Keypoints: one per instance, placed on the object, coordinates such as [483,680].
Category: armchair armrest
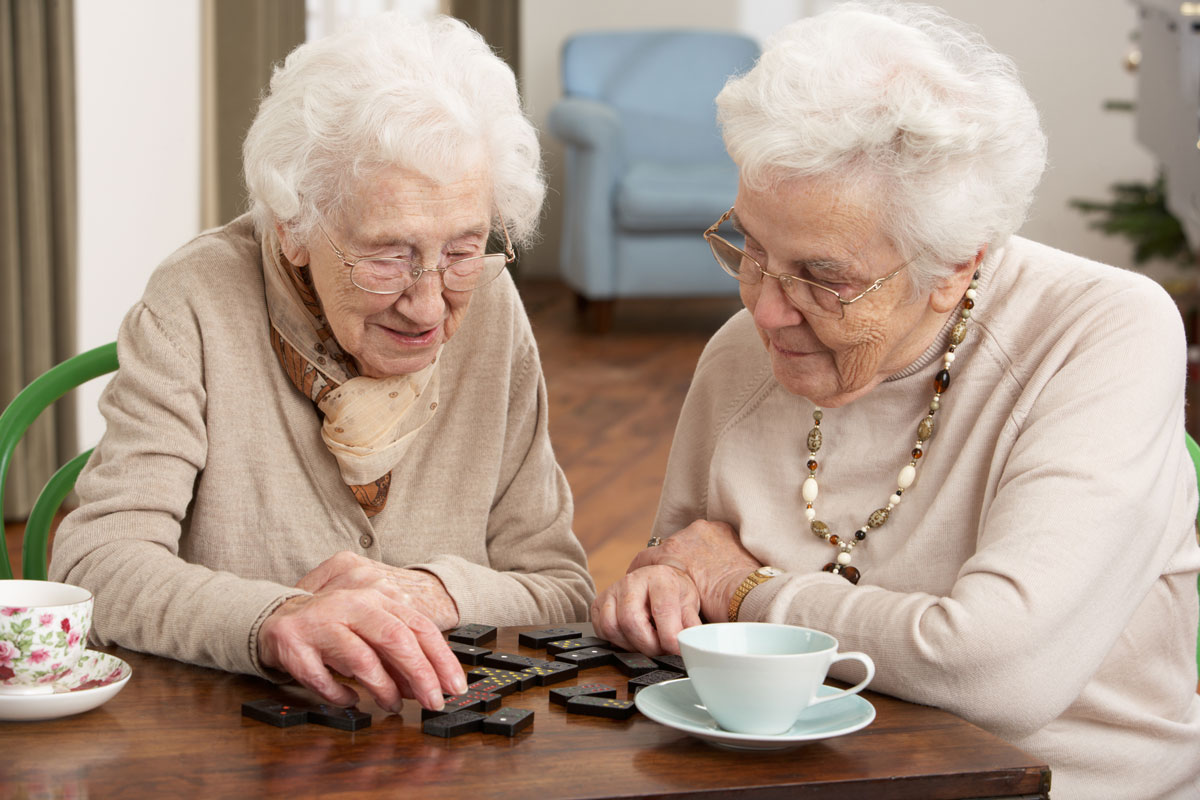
[585,123]
[595,159]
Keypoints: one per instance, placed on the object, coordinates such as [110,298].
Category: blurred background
[128,144]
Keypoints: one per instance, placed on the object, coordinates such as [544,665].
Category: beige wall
[1069,53]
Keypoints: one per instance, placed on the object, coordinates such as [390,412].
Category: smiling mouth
[413,338]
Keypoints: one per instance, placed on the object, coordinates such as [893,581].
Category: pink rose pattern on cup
[35,645]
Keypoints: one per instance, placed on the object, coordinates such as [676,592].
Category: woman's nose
[772,309]
[423,302]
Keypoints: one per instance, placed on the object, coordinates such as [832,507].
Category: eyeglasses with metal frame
[395,275]
[810,296]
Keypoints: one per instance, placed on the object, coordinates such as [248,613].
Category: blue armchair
[646,170]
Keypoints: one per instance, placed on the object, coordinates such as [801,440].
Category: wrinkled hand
[369,627]
[712,556]
[645,611]
[415,588]
[667,588]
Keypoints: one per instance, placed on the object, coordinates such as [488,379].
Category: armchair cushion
[653,196]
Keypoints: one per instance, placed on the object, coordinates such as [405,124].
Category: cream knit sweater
[212,492]
[1039,579]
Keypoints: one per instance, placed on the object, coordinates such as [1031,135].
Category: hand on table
[695,571]
[415,588]
[375,633]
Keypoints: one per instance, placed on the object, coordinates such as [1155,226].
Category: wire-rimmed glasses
[807,295]
[395,275]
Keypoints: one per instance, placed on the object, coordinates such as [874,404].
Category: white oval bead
[809,490]
[810,514]
[907,476]
[843,558]
[894,500]
[971,294]
[949,358]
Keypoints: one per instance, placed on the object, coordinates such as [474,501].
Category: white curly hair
[909,110]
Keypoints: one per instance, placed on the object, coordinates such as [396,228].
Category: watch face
[769,572]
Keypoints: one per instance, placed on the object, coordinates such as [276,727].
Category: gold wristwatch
[760,575]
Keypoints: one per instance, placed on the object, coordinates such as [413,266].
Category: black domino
[633,664]
[521,679]
[273,712]
[508,721]
[670,662]
[494,683]
[587,658]
[468,654]
[456,724]
[651,678]
[511,661]
[601,707]
[551,672]
[561,695]
[346,719]
[539,639]
[473,634]
[471,700]
[564,645]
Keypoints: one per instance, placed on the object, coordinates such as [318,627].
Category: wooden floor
[614,400]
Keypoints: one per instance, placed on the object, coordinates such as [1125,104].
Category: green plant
[1139,213]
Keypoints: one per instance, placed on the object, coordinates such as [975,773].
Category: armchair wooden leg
[595,315]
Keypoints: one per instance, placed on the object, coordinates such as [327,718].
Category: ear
[296,253]
[947,294]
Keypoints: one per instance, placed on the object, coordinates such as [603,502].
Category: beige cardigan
[212,492]
[1039,578]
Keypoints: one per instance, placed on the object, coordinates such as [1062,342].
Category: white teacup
[758,677]
[43,633]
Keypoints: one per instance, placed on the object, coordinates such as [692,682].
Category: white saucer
[675,704]
[95,680]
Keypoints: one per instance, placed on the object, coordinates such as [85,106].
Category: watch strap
[760,575]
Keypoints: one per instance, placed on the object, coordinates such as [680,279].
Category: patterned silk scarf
[369,422]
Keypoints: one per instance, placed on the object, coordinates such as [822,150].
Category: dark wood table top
[176,730]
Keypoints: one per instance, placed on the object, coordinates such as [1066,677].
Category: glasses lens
[471,273]
[811,299]
[734,261]
[384,275]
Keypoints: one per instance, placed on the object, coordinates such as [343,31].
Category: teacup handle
[856,688]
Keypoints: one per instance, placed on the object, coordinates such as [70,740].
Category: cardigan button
[366,541]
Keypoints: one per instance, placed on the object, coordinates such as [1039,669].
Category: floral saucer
[95,680]
[676,705]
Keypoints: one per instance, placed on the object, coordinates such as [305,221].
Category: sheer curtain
[37,227]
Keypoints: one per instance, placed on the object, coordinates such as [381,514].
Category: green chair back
[1194,451]
[16,419]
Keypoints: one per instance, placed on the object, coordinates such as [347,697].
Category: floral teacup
[43,633]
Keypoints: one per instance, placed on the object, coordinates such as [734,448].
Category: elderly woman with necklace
[957,450]
[316,458]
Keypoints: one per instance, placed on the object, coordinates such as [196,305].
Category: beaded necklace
[809,490]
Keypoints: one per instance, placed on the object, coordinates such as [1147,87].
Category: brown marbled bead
[819,528]
[851,574]
[969,303]
[959,332]
[917,452]
[814,439]
[834,540]
[878,517]
[830,567]
[941,382]
[812,465]
[925,429]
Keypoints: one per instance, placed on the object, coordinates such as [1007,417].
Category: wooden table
[176,731]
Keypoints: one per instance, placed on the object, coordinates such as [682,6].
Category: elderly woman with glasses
[957,450]
[316,459]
